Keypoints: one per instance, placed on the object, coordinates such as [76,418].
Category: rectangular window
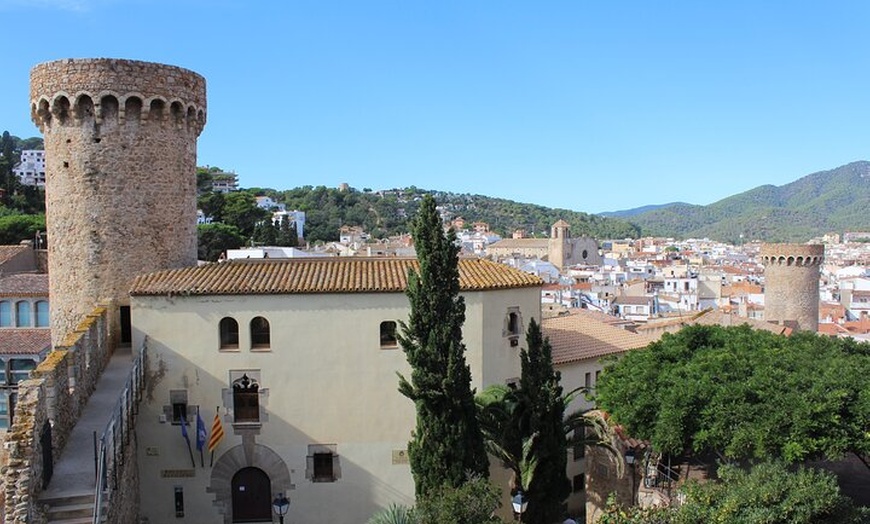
[322,463]
[19,369]
[579,482]
[587,380]
[178,400]
[597,374]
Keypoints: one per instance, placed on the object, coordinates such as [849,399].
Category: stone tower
[120,141]
[791,284]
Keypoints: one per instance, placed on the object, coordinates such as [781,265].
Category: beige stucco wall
[325,380]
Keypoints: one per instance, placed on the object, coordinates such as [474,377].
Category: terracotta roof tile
[24,285]
[318,275]
[581,336]
[20,341]
[8,252]
[521,243]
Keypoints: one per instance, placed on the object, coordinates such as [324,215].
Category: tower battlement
[792,254]
[106,91]
[120,166]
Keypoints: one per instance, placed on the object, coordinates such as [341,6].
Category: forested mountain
[628,213]
[385,213]
[834,200]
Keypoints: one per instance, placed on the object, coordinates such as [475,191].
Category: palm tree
[504,423]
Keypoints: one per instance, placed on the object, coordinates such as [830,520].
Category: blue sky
[585,105]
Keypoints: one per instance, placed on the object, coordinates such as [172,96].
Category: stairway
[70,508]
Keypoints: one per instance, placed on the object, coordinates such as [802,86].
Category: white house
[298,358]
[31,169]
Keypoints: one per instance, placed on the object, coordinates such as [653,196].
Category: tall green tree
[447,445]
[545,409]
[287,235]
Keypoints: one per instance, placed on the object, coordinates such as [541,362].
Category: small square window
[322,463]
[178,402]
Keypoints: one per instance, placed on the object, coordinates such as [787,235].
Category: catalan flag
[217,432]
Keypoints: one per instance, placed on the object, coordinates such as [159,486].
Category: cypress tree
[545,409]
[446,447]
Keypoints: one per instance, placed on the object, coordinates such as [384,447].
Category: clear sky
[586,105]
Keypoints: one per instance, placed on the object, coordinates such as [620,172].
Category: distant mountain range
[628,213]
[836,200]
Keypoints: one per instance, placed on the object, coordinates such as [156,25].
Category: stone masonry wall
[57,391]
[791,284]
[120,141]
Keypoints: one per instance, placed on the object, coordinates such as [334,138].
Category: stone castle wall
[57,391]
[120,141]
[791,284]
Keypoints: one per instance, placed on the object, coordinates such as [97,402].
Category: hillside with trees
[385,213]
[834,200]
[22,208]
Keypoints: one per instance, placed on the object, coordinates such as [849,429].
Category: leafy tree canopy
[768,493]
[214,239]
[744,394]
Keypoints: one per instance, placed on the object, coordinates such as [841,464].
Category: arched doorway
[251,496]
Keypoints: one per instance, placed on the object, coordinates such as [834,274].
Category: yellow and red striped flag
[217,432]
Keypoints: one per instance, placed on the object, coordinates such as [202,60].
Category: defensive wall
[54,397]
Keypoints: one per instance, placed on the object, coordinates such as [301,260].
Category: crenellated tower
[791,284]
[120,141]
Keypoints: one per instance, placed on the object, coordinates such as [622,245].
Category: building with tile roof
[25,335]
[299,356]
[560,249]
[580,340]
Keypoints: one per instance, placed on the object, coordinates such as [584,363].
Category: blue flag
[201,434]
[184,426]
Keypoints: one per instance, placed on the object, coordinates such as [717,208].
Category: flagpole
[198,444]
[187,438]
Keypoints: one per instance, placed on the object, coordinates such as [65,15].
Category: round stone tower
[791,284]
[120,150]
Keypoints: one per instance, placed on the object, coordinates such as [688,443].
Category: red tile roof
[24,285]
[9,252]
[582,336]
[18,341]
[319,275]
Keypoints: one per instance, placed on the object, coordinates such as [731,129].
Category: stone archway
[240,457]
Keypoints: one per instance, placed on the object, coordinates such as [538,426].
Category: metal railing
[109,450]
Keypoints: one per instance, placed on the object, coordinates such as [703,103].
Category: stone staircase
[70,508]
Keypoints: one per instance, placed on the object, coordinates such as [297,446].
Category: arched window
[513,325]
[5,314]
[260,337]
[22,314]
[388,335]
[246,400]
[41,313]
[229,333]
